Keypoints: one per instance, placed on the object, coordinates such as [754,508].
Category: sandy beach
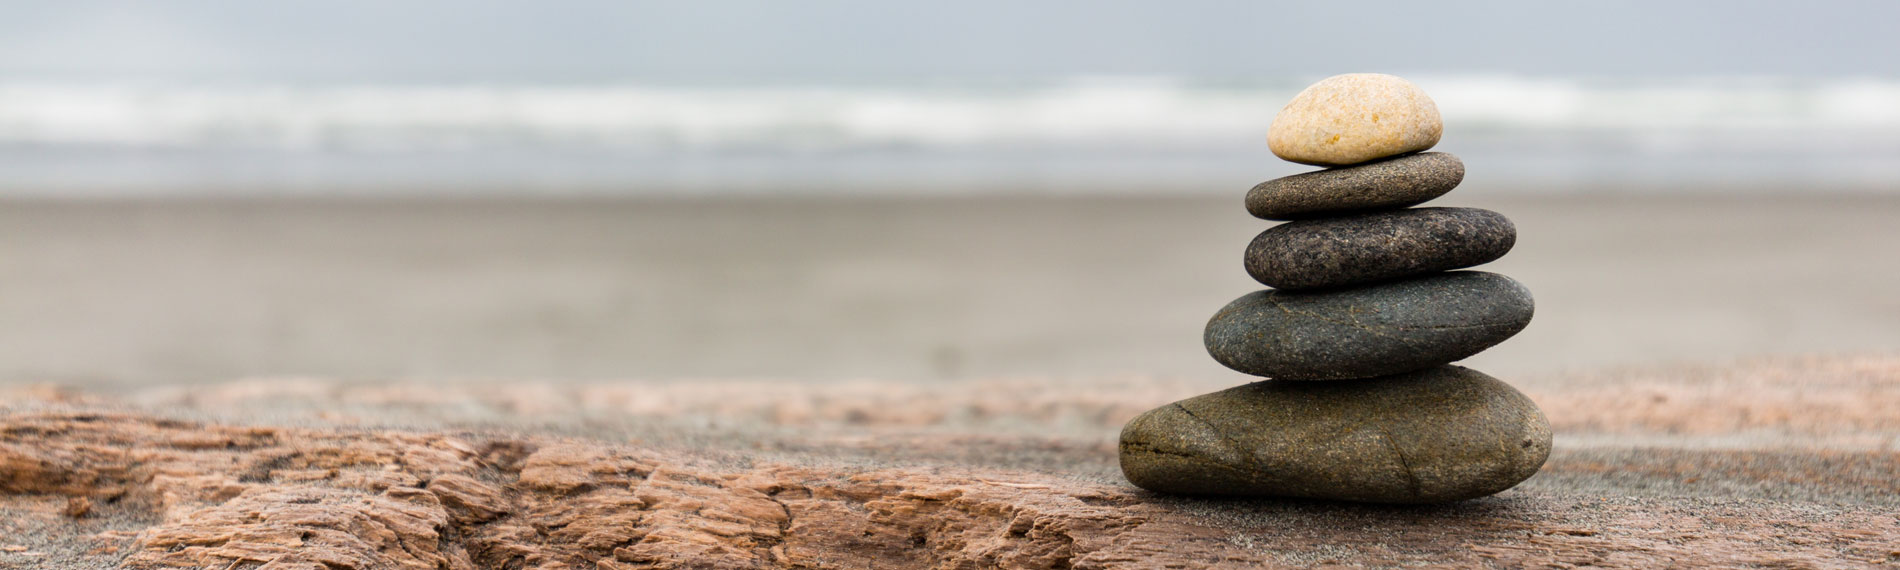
[826,289]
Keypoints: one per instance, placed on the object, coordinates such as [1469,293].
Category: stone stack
[1355,337]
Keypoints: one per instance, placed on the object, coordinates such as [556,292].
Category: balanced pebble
[1363,332]
[1354,118]
[1442,434]
[1380,246]
[1392,183]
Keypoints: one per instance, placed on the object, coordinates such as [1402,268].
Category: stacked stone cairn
[1355,337]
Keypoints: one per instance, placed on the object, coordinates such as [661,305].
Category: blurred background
[200,191]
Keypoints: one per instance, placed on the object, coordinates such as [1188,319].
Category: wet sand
[833,289]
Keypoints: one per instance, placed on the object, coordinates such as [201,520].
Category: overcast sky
[785,40]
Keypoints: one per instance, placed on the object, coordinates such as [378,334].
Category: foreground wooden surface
[1786,462]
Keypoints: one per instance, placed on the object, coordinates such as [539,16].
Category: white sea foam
[1080,122]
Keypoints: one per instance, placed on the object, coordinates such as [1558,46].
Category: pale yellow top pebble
[1354,118]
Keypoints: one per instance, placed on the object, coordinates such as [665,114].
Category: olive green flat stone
[1437,435]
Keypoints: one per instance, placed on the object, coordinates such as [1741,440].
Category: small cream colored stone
[1354,118]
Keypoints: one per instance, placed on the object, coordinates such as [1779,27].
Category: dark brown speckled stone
[1363,332]
[1442,434]
[1391,183]
[1378,246]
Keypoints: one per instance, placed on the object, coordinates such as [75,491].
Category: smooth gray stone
[1392,183]
[1442,434]
[1362,332]
[1378,246]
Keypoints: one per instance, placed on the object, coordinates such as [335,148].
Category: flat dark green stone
[1437,435]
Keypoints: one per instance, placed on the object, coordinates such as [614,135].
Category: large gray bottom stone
[1369,331]
[1377,246]
[1437,435]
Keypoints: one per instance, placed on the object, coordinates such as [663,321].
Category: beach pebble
[1442,434]
[1379,246]
[1392,183]
[1354,118]
[1362,332]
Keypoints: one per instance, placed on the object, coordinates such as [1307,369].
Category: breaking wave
[1053,132]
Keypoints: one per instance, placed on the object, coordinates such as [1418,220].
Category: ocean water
[1085,134]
